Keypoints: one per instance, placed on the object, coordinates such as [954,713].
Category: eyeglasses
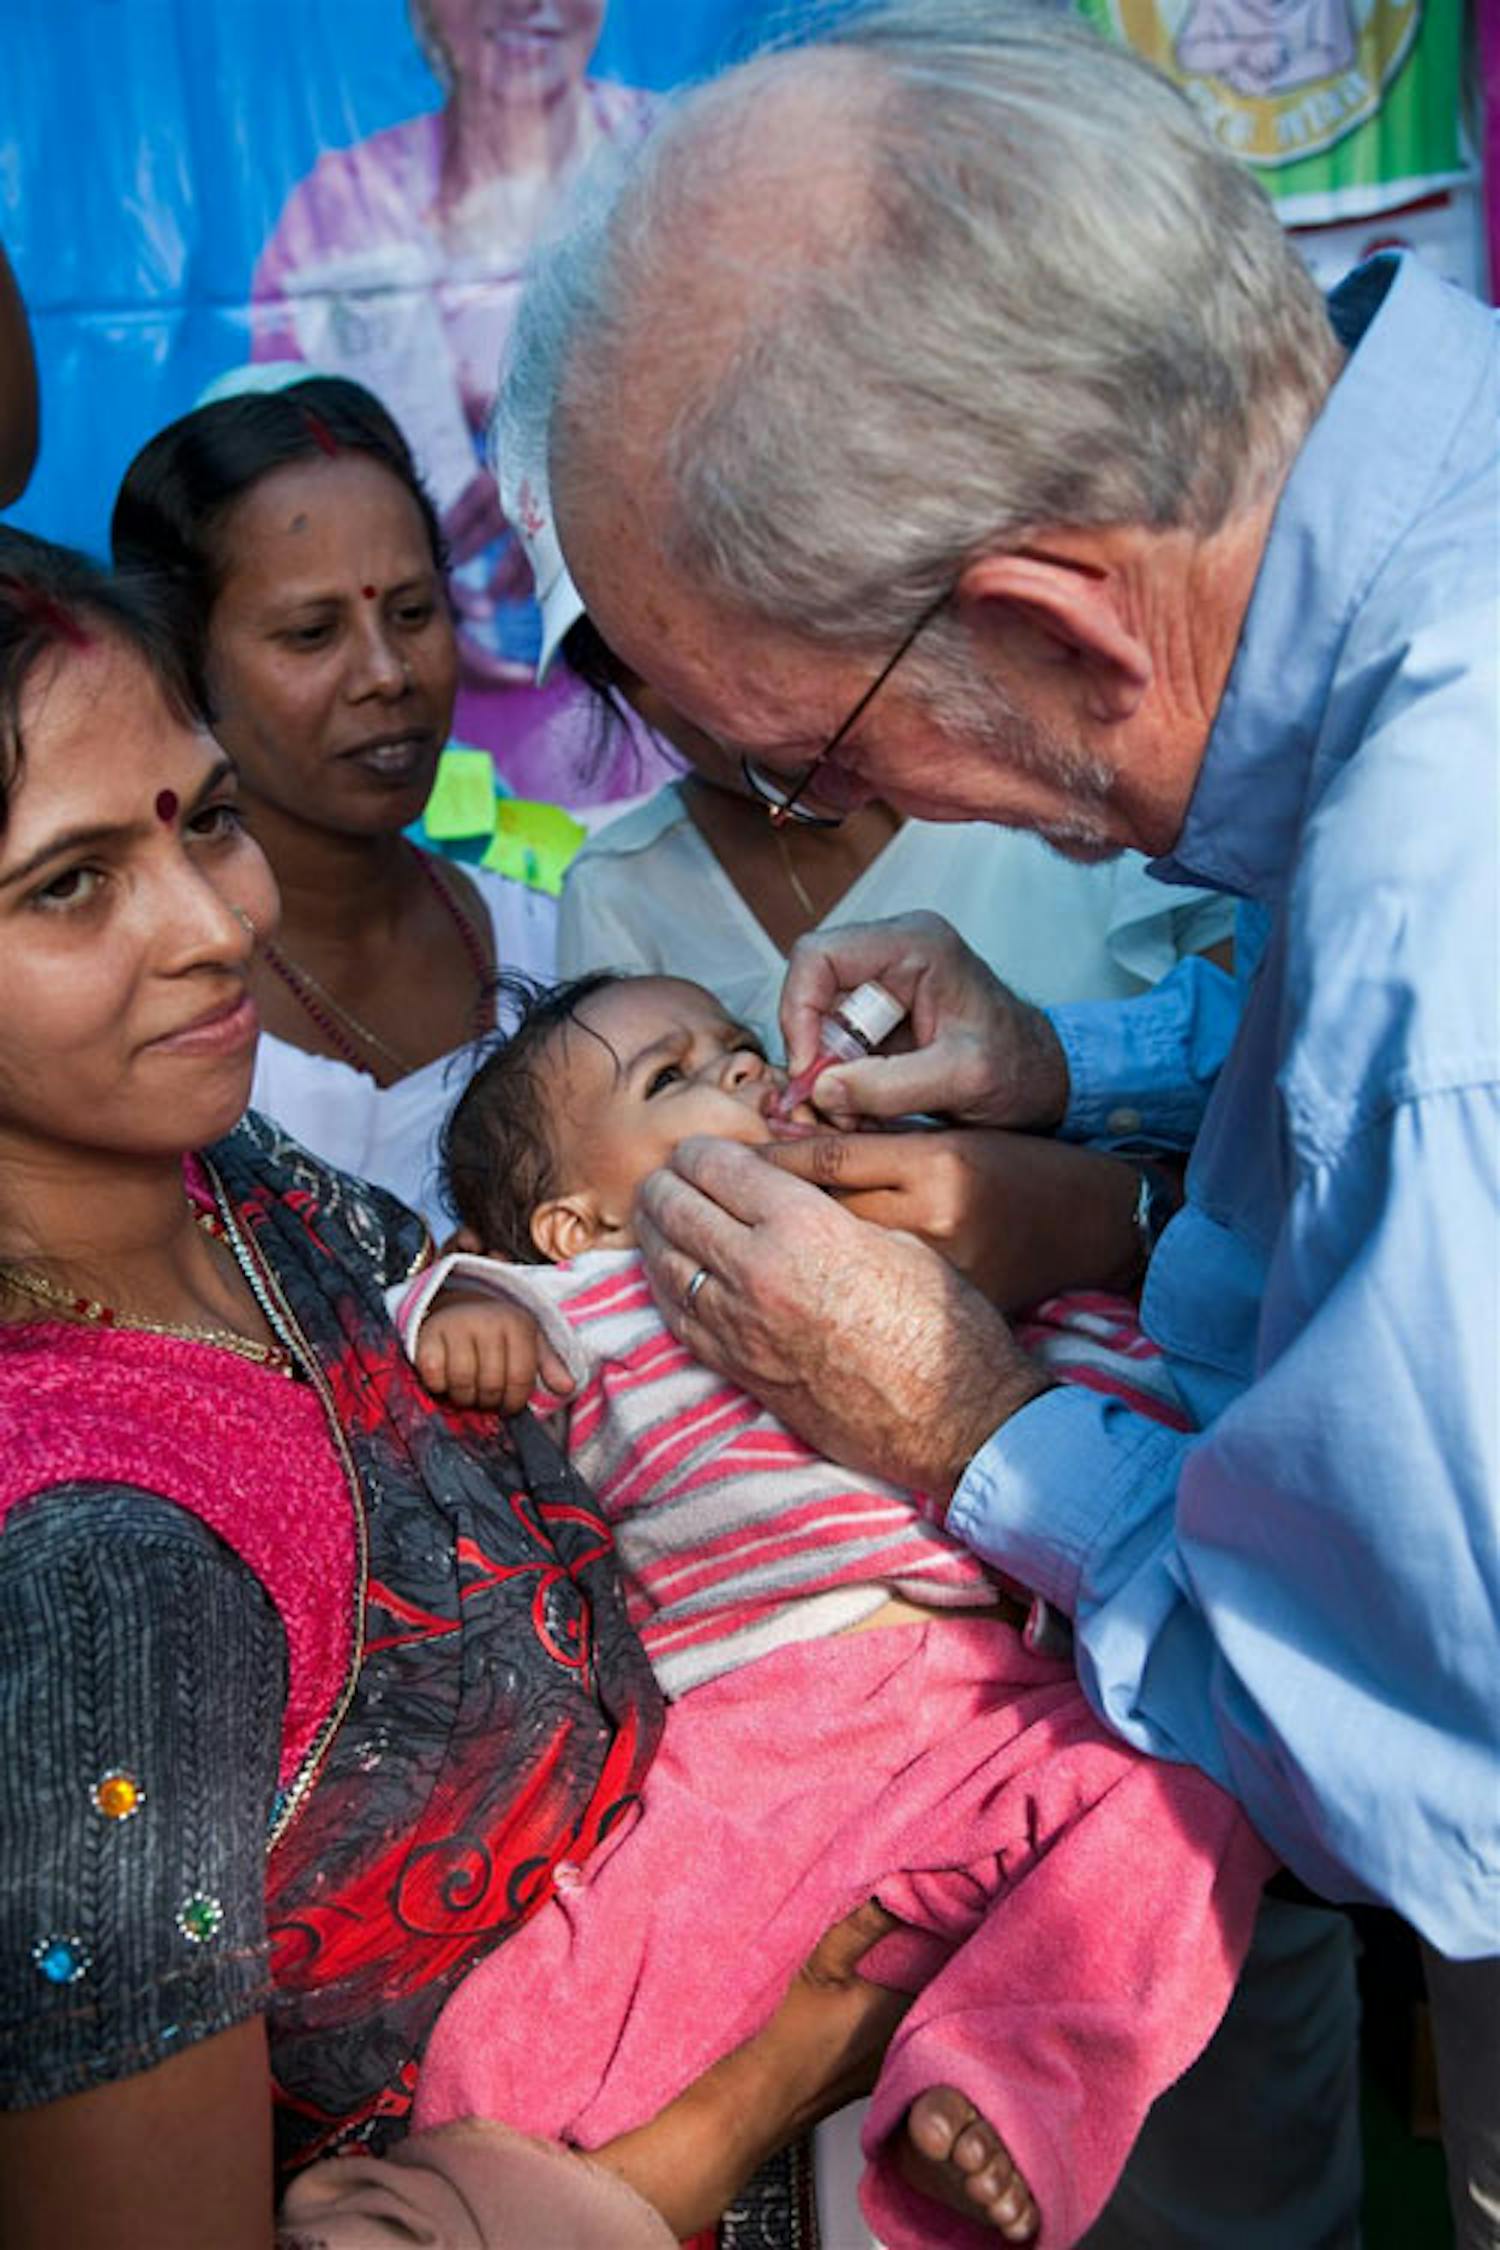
[782,799]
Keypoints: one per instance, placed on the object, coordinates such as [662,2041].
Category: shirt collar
[1354,486]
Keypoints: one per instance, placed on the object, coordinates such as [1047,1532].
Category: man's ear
[567,1225]
[1072,601]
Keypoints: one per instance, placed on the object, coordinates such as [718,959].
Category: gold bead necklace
[27,1282]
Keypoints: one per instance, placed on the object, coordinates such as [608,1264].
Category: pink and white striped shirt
[735,1538]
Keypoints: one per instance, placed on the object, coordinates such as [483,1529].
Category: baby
[1069,1915]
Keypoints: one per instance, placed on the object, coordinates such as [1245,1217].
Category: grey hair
[1022,287]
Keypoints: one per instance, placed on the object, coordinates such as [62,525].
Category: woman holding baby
[311,1686]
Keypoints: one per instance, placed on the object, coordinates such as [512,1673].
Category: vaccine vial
[862,1021]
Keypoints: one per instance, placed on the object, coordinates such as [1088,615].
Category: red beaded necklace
[337,1022]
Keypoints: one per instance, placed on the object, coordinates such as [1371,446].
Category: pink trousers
[1074,1914]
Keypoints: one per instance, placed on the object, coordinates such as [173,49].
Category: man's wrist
[1021,1386]
[1043,1074]
[1022,1083]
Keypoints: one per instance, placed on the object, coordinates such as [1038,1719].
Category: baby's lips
[791,1128]
[788,1120]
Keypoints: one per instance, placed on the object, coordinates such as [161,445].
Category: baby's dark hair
[498,1154]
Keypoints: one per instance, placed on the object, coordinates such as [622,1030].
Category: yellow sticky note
[463,797]
[533,842]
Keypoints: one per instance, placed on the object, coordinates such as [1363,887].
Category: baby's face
[646,1063]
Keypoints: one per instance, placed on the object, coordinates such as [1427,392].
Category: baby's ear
[566,1226]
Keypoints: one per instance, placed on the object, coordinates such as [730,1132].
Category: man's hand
[1019,1215]
[867,1344]
[481,1351]
[978,1053]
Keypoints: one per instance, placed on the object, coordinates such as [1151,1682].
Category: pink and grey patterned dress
[735,1538]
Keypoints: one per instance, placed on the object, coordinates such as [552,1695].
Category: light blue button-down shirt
[1303,1598]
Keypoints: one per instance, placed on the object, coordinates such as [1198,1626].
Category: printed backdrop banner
[1349,112]
[352,184]
[188,186]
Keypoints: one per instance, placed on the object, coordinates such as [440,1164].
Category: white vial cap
[871,1013]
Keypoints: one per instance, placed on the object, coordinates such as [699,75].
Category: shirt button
[1124,1120]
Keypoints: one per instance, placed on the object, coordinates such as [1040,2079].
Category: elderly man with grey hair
[936,413]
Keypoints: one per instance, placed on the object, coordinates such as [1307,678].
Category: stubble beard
[972,710]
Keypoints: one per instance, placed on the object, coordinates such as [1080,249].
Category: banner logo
[1275,80]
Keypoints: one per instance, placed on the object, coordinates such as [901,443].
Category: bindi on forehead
[167,802]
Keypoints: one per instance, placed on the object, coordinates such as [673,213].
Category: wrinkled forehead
[585,1064]
[611,1026]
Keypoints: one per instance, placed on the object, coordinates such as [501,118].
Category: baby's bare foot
[953,2154]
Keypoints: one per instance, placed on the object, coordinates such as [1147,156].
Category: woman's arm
[476,2185]
[141,1704]
[821,2049]
[178,2157]
[1018,1214]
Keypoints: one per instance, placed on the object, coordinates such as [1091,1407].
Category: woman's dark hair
[180,489]
[590,659]
[496,1151]
[53,599]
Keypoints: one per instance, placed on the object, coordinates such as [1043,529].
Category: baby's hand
[485,1352]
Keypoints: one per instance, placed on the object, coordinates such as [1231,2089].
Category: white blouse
[646,892]
[388,1134]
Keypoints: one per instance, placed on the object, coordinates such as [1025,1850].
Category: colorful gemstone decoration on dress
[200,1917]
[62,1960]
[117,1795]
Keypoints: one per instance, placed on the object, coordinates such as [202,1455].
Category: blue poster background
[146,149]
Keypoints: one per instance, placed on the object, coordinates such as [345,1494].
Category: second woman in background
[311,570]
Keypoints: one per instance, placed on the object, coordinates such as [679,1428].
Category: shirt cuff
[1040,1495]
[1141,1070]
